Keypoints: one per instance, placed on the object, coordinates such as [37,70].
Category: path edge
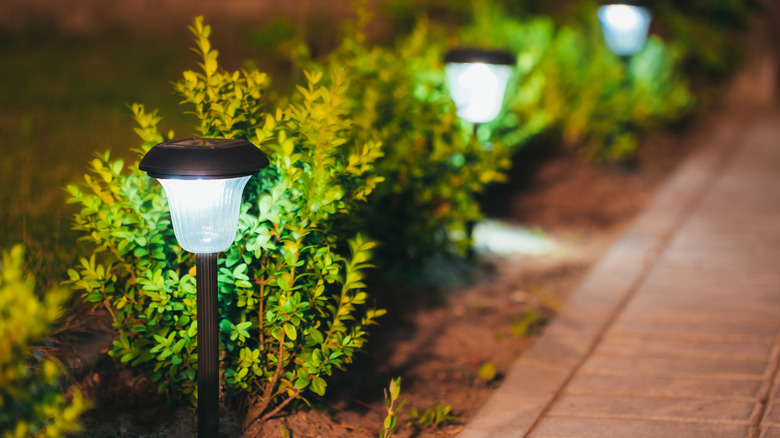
[537,377]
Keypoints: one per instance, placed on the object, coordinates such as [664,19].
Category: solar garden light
[477,80]
[625,27]
[203,179]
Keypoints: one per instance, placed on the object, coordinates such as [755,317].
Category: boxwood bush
[432,166]
[32,402]
[569,82]
[291,299]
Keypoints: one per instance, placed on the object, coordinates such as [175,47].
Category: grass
[63,100]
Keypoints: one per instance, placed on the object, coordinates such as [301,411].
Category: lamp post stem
[625,62]
[208,346]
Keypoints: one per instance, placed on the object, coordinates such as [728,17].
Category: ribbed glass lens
[477,89]
[624,27]
[204,212]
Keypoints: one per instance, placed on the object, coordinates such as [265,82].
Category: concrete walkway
[676,331]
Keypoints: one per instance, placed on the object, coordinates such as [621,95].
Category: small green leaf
[290,331]
[179,345]
[316,335]
[395,388]
[318,385]
[301,383]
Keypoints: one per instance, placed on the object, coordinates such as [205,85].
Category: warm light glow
[624,27]
[478,89]
[204,212]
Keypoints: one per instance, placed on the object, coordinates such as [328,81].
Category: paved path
[676,331]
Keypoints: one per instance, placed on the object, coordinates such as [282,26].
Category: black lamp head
[640,3]
[203,158]
[472,55]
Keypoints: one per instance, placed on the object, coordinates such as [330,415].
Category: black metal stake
[208,346]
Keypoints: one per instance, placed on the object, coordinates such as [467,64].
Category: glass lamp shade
[477,89]
[625,27]
[477,79]
[204,212]
[204,179]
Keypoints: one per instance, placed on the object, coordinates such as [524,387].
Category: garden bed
[451,342]
[450,335]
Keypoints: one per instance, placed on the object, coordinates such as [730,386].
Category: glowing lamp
[203,179]
[204,211]
[477,80]
[624,27]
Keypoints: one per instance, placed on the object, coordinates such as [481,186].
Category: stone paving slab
[513,414]
[676,367]
[700,337]
[771,432]
[772,415]
[674,332]
[635,346]
[572,427]
[754,258]
[678,409]
[718,264]
[758,302]
[712,326]
[670,277]
[665,310]
[637,385]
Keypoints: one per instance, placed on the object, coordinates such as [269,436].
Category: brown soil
[439,346]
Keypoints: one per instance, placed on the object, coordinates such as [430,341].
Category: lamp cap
[203,158]
[474,55]
[640,3]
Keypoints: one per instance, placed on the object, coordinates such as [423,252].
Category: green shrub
[432,165]
[569,81]
[31,402]
[707,33]
[600,104]
[290,287]
[566,81]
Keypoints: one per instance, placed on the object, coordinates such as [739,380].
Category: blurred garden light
[204,179]
[477,80]
[495,237]
[625,27]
